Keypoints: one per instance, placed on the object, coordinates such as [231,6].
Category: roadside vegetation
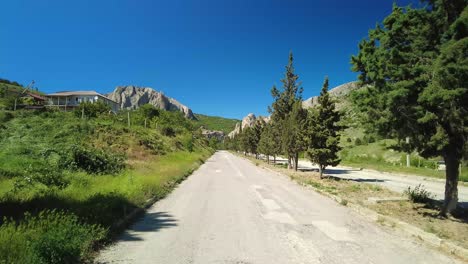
[216,123]
[411,100]
[70,180]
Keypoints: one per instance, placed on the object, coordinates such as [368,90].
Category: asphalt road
[230,211]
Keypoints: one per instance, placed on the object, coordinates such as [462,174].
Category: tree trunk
[296,161]
[289,162]
[451,182]
[274,159]
[256,155]
[321,169]
[268,159]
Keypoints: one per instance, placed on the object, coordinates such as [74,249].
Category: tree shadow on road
[149,222]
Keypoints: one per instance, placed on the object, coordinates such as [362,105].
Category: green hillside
[66,182]
[215,123]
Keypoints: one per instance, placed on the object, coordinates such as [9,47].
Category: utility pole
[408,163]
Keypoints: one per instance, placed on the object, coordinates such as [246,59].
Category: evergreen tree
[416,69]
[293,141]
[266,145]
[285,99]
[322,134]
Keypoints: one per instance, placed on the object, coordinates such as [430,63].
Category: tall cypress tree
[322,135]
[285,100]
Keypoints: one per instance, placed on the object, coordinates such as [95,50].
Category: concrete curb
[408,229]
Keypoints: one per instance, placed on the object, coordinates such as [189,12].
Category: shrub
[5,116]
[50,237]
[92,109]
[168,131]
[95,161]
[418,194]
[48,176]
[152,143]
[349,140]
[358,142]
[149,111]
[371,139]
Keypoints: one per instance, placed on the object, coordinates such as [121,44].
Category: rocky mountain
[213,134]
[132,97]
[339,91]
[247,121]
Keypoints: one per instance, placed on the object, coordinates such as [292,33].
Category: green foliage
[5,116]
[293,132]
[95,161]
[323,132]
[267,143]
[50,237]
[415,64]
[92,110]
[418,194]
[215,123]
[285,112]
[56,160]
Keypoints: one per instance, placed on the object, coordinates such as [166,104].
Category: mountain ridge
[132,97]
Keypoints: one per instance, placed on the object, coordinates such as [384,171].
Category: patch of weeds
[344,202]
[355,188]
[419,194]
[50,237]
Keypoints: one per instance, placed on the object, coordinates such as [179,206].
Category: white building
[72,99]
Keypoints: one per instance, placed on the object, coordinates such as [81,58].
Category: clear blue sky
[217,57]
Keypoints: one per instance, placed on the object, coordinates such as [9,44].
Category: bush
[349,140]
[48,176]
[371,139]
[95,161]
[92,109]
[168,131]
[418,194]
[358,142]
[5,116]
[50,237]
[152,143]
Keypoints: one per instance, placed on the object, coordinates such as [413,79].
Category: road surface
[230,211]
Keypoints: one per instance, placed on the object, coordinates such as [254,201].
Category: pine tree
[417,83]
[322,134]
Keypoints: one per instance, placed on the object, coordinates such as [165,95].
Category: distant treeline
[10,82]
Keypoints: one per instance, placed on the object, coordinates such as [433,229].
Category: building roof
[71,93]
[37,97]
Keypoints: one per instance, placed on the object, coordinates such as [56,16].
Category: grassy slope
[95,199]
[216,123]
